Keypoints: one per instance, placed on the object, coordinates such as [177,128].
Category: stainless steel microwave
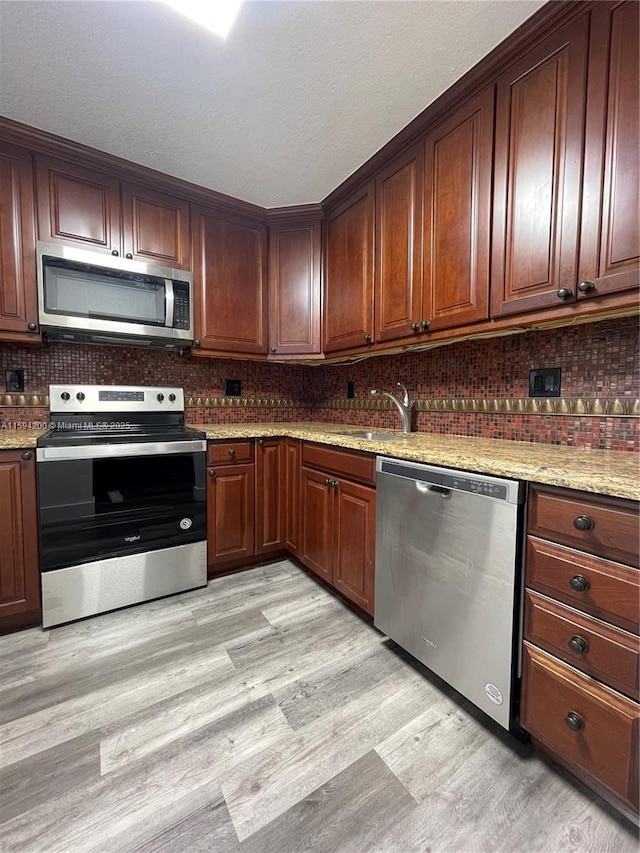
[90,297]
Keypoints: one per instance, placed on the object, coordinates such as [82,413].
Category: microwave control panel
[181,305]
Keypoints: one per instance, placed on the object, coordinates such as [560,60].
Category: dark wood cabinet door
[349,271]
[399,247]
[457,215]
[355,539]
[19,570]
[230,513]
[229,282]
[294,289]
[610,237]
[292,465]
[317,528]
[155,227]
[18,294]
[77,204]
[540,116]
[269,504]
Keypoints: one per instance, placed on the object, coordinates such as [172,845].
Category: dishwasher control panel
[478,487]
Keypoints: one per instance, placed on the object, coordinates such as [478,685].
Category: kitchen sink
[372,436]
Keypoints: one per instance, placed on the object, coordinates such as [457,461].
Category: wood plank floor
[262,715]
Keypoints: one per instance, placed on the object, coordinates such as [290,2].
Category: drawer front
[230,452]
[612,590]
[345,463]
[604,526]
[605,743]
[598,649]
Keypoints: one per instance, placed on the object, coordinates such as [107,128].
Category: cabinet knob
[261,442]
[425,325]
[367,339]
[273,350]
[196,343]
[578,645]
[27,455]
[115,252]
[579,583]
[211,472]
[574,721]
[327,482]
[32,327]
[564,293]
[587,286]
[415,327]
[583,522]
[232,452]
[129,256]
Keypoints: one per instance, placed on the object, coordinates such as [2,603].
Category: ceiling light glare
[214,15]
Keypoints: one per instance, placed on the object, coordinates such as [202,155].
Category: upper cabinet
[230,277]
[18,295]
[540,118]
[457,215]
[610,244]
[294,288]
[349,272]
[81,205]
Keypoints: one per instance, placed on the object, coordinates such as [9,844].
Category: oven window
[93,509]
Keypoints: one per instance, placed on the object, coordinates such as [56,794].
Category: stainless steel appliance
[90,297]
[447,576]
[121,500]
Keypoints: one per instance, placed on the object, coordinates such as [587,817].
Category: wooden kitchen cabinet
[18,290]
[230,269]
[292,497]
[349,272]
[294,288]
[80,205]
[317,524]
[539,145]
[355,525]
[270,509]
[230,513]
[19,569]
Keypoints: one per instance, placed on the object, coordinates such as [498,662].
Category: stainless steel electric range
[121,500]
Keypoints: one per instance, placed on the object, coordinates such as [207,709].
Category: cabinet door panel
[317,543]
[354,566]
[156,227]
[229,275]
[269,505]
[349,286]
[77,204]
[457,216]
[540,114]
[610,244]
[18,299]
[230,513]
[399,247]
[292,494]
[294,289]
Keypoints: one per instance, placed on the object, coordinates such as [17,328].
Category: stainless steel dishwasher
[447,580]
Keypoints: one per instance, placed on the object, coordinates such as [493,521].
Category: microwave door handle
[168,302]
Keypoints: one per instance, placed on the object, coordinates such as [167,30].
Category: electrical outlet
[350,391]
[14,381]
[232,388]
[545,382]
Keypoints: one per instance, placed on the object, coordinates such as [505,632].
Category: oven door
[111,500]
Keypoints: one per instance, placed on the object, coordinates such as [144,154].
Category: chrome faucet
[403,406]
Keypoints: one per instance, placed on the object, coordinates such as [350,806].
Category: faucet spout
[403,406]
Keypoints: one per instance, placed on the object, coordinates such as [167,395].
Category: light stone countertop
[606,472]
[19,439]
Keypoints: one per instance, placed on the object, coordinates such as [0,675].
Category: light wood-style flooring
[263,715]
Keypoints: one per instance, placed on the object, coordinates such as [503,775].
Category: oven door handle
[115,451]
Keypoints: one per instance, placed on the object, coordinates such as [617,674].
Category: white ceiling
[299,96]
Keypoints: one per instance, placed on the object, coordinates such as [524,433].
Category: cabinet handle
[415,327]
[425,325]
[579,583]
[328,482]
[586,287]
[211,472]
[574,721]
[196,343]
[232,452]
[31,327]
[129,256]
[367,339]
[273,350]
[578,645]
[564,293]
[27,455]
[115,252]
[335,484]
[261,442]
[583,522]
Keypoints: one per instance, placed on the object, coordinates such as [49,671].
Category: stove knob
[159,397]
[80,396]
[65,396]
[172,398]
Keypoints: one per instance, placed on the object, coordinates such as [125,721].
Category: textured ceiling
[299,96]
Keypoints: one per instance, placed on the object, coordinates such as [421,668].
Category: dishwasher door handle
[429,488]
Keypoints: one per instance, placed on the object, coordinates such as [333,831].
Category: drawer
[611,524]
[612,590]
[600,650]
[605,743]
[345,463]
[230,452]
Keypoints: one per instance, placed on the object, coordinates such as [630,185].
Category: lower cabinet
[231,513]
[269,504]
[291,493]
[19,570]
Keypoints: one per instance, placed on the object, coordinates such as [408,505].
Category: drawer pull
[583,522]
[574,721]
[232,452]
[579,583]
[578,645]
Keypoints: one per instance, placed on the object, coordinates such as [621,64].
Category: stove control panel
[114,398]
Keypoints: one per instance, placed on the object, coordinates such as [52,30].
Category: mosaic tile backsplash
[597,360]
